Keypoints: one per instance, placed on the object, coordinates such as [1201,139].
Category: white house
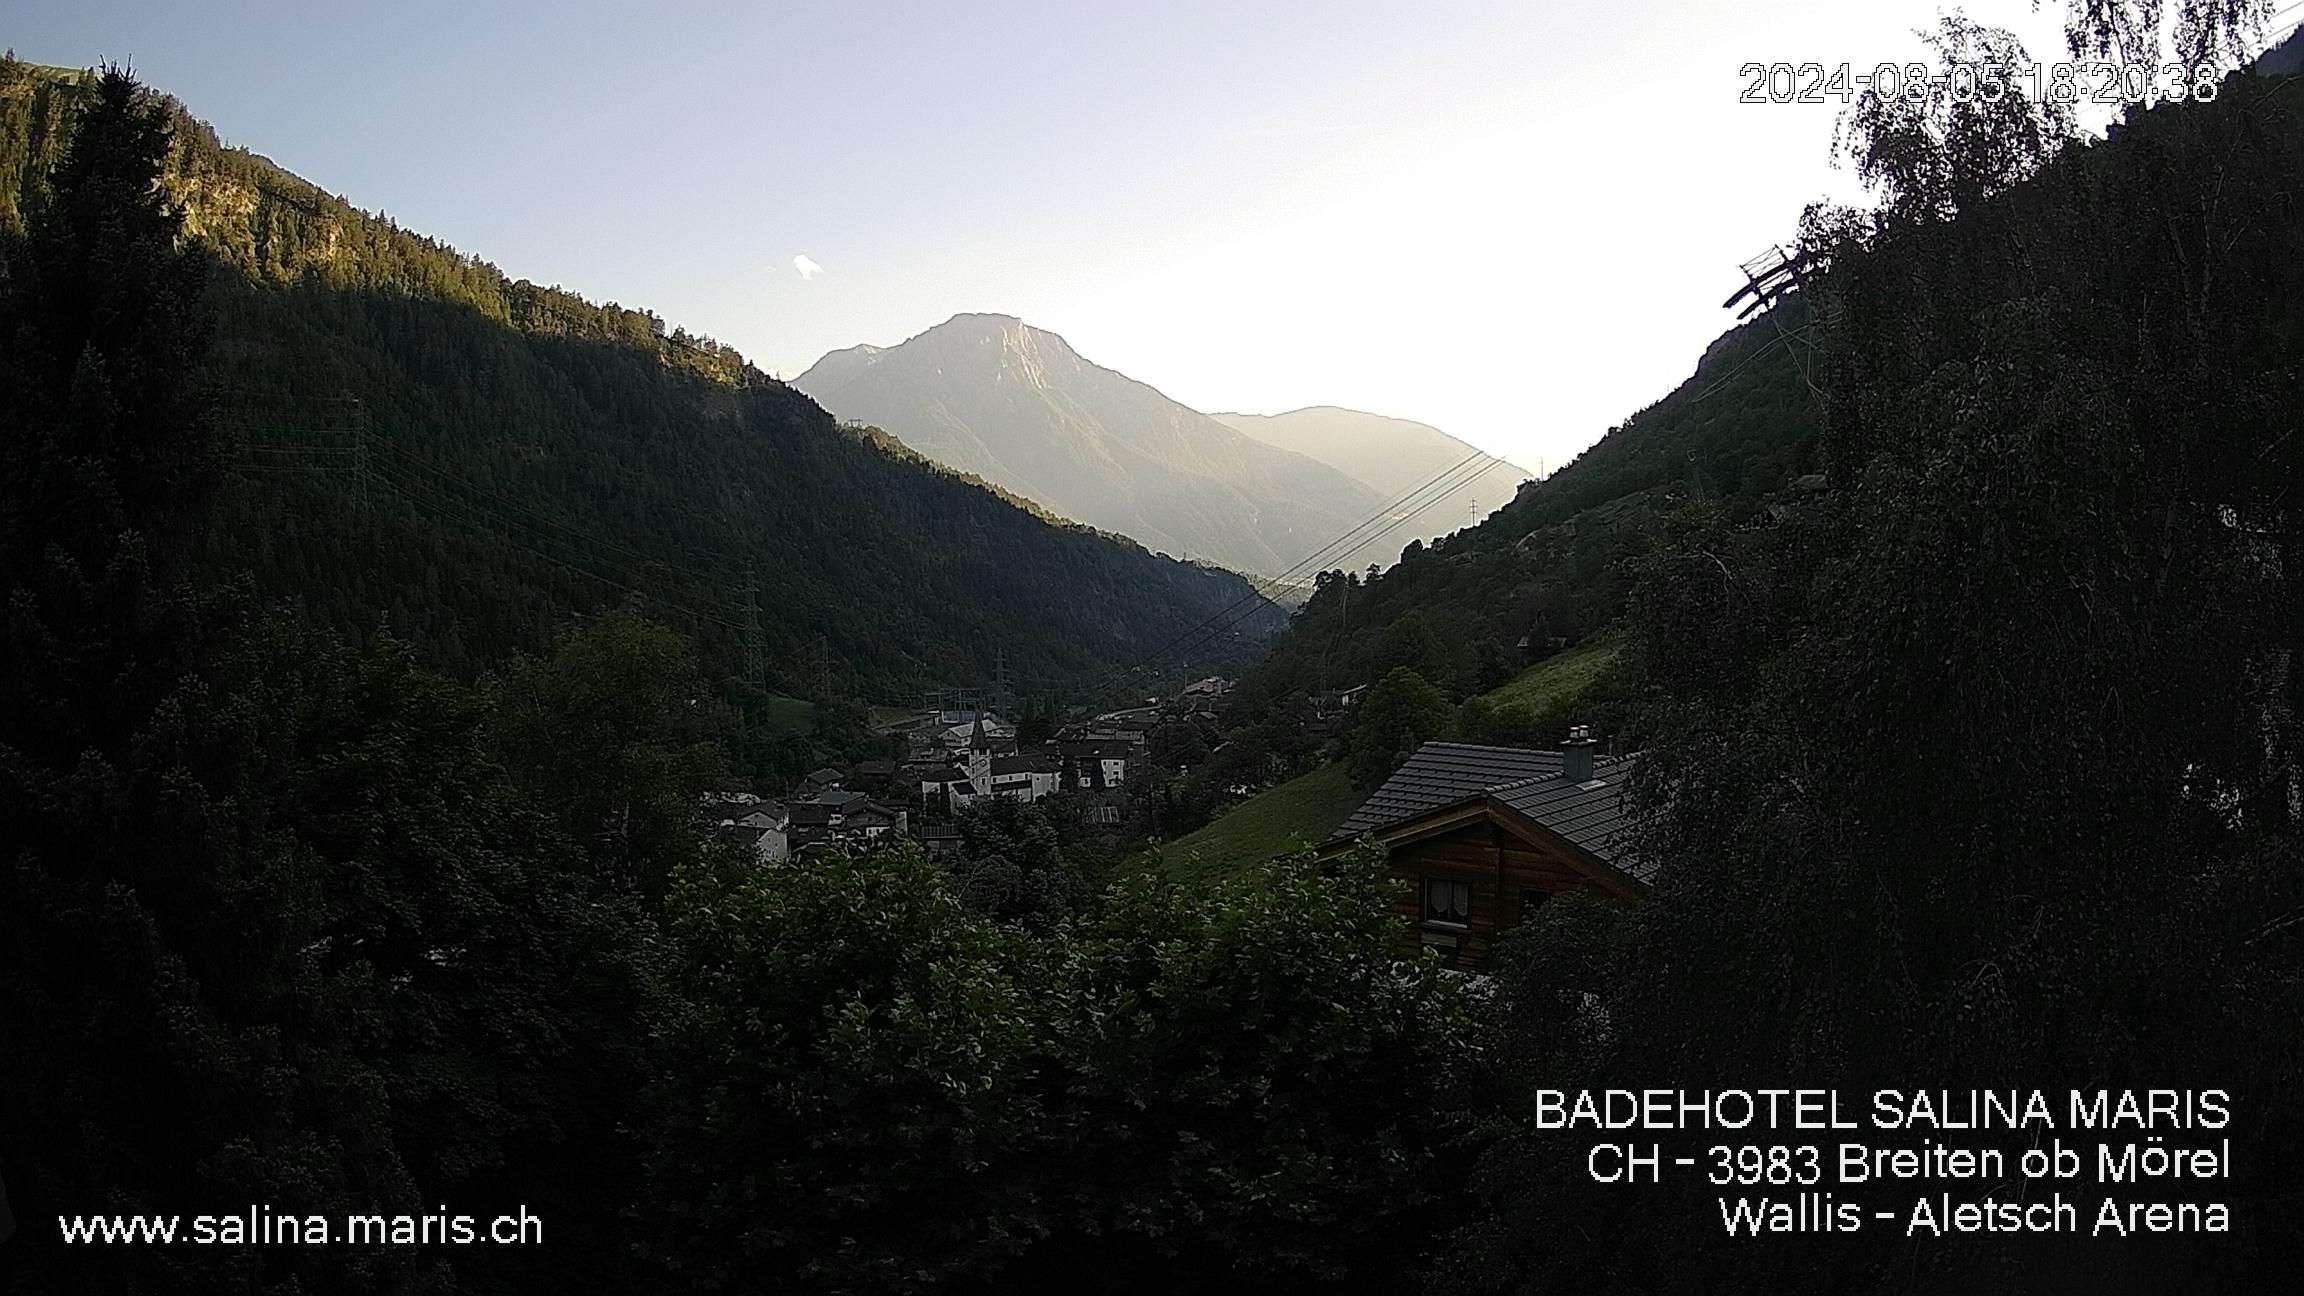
[1026,776]
[1093,765]
[765,825]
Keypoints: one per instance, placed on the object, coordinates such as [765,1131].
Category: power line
[432,487]
[1260,593]
[1393,515]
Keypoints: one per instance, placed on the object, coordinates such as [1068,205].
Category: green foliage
[1409,644]
[1013,865]
[1269,749]
[614,732]
[1298,813]
[1243,1059]
[790,715]
[1983,765]
[1175,745]
[274,928]
[1536,707]
[104,327]
[876,1088]
[844,1106]
[1552,565]
[1401,713]
[1930,157]
[528,456]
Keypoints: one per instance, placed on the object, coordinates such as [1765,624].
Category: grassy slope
[791,714]
[1303,810]
[1298,812]
[1557,677]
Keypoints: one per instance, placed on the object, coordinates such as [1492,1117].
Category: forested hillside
[299,936]
[476,460]
[1957,608]
[1983,764]
[1549,565]
[1398,459]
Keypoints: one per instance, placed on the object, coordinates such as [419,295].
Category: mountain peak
[991,395]
[994,346]
[988,326]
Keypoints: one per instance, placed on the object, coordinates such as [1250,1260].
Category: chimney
[1576,755]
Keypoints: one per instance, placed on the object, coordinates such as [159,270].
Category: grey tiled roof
[1590,816]
[1444,773]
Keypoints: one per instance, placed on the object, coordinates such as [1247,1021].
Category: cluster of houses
[1482,835]
[820,812]
[990,763]
[954,758]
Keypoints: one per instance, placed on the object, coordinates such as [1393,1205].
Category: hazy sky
[1515,221]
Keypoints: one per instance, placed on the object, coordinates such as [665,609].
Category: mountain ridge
[560,456]
[1393,456]
[990,394]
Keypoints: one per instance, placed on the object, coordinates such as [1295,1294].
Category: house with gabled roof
[938,839]
[763,825]
[1026,776]
[1484,836]
[1095,765]
[948,789]
[844,818]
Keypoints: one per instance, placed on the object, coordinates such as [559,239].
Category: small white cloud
[807,267]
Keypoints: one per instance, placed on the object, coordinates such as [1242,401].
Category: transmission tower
[823,662]
[359,422]
[755,644]
[1768,277]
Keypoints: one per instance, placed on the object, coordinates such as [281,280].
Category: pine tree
[153,922]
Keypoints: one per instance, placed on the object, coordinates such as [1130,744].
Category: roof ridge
[1510,784]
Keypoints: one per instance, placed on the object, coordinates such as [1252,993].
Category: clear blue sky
[1512,220]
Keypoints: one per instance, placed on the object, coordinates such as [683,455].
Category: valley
[964,820]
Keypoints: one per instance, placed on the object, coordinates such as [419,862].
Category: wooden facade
[1505,866]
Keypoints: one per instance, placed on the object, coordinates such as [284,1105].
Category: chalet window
[1531,900]
[1447,902]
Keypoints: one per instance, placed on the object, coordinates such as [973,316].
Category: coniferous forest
[371,627]
[413,442]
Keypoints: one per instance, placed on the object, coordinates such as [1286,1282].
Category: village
[1482,835]
[957,752]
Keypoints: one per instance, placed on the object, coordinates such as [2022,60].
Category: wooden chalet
[1484,835]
